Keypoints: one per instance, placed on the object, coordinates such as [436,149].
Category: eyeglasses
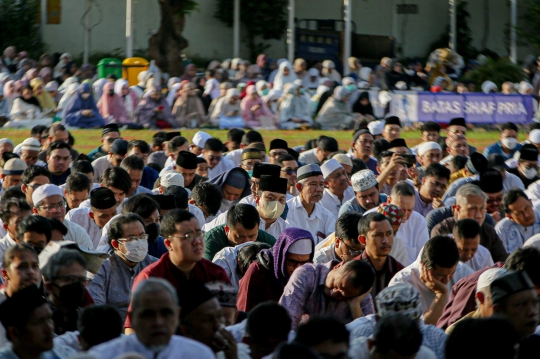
[290,171]
[295,263]
[191,236]
[352,252]
[142,237]
[214,158]
[73,279]
[34,186]
[112,139]
[52,207]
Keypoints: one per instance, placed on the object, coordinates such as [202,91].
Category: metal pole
[43,18]
[86,54]
[290,32]
[513,24]
[347,45]
[452,43]
[236,29]
[129,28]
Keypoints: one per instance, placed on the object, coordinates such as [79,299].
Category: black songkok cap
[191,296]
[102,198]
[266,169]
[170,135]
[187,160]
[167,202]
[458,121]
[273,184]
[111,127]
[360,133]
[398,142]
[528,152]
[119,147]
[278,143]
[476,163]
[509,283]
[491,181]
[16,310]
[392,120]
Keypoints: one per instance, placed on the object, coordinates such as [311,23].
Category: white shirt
[235,156]
[5,243]
[81,216]
[308,157]
[196,211]
[359,349]
[100,165]
[320,220]
[275,228]
[411,275]
[332,203]
[211,87]
[178,348]
[326,254]
[77,234]
[514,236]
[227,258]
[481,259]
[223,165]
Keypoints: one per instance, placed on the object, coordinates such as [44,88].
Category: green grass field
[86,140]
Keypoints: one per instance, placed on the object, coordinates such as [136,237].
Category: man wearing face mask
[65,281]
[93,219]
[508,144]
[112,284]
[527,169]
[241,224]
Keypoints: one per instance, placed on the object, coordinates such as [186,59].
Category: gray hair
[63,258]
[402,188]
[151,285]
[469,190]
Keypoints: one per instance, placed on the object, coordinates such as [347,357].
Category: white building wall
[209,38]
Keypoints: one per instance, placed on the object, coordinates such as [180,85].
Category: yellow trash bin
[132,67]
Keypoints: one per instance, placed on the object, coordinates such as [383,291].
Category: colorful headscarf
[392,212]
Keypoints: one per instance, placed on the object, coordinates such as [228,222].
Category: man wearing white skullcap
[427,153]
[376,129]
[483,296]
[337,189]
[169,178]
[50,203]
[367,195]
[29,151]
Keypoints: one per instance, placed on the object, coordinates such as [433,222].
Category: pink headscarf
[112,105]
[30,75]
[8,92]
[44,72]
[247,103]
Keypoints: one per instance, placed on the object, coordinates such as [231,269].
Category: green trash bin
[109,66]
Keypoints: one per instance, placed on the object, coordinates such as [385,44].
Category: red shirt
[204,271]
[257,286]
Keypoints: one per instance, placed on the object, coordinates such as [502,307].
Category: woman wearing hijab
[153,111]
[26,106]
[440,70]
[336,113]
[82,111]
[64,86]
[314,101]
[5,106]
[367,75]
[189,73]
[46,101]
[223,87]
[396,75]
[262,87]
[300,68]
[253,73]
[329,71]
[227,107]
[45,74]
[9,94]
[243,90]
[129,97]
[254,110]
[52,88]
[326,95]
[312,80]
[354,66]
[266,277]
[294,110]
[64,101]
[97,86]
[188,109]
[285,75]
[173,94]
[111,106]
[29,76]
[363,105]
[61,65]
[199,82]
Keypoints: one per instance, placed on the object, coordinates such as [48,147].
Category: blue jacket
[497,148]
[149,176]
[73,112]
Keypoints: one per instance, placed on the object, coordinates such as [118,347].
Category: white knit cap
[172,178]
[301,246]
[45,191]
[428,146]
[31,144]
[330,166]
[376,127]
[534,136]
[363,180]
[488,277]
[342,159]
[200,138]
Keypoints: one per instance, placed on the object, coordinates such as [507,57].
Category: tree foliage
[262,19]
[19,26]
[528,30]
[498,71]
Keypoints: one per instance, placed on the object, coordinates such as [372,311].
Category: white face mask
[272,209]
[85,95]
[227,203]
[509,143]
[136,250]
[530,173]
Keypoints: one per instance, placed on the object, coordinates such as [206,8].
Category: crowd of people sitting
[249,248]
[225,94]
